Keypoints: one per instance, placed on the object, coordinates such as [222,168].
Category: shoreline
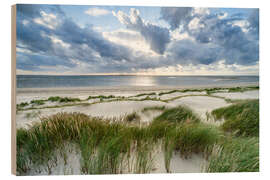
[99,89]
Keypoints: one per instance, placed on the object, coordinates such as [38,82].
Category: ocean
[44,81]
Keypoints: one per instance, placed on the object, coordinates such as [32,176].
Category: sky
[85,40]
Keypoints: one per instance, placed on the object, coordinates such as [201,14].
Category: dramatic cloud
[97,12]
[128,38]
[189,52]
[175,16]
[157,37]
[66,41]
[48,20]
[234,38]
[199,40]
[218,68]
[253,20]
[29,11]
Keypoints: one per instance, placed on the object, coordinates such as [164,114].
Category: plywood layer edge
[13,89]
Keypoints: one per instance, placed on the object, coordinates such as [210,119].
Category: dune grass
[63,99]
[145,94]
[67,99]
[132,117]
[189,90]
[177,115]
[242,118]
[110,98]
[239,154]
[238,151]
[189,138]
[38,102]
[104,97]
[231,89]
[154,108]
[210,91]
[168,92]
[100,142]
[112,147]
[243,89]
[21,105]
[83,103]
[196,138]
[106,146]
[54,98]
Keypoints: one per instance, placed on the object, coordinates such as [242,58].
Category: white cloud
[156,36]
[47,20]
[166,70]
[244,24]
[177,35]
[195,24]
[218,68]
[23,50]
[25,22]
[200,11]
[58,41]
[131,39]
[97,12]
[121,16]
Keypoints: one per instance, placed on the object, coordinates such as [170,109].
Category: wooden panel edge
[13,89]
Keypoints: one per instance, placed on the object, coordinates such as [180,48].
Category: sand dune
[199,104]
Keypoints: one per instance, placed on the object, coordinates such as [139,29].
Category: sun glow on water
[143,81]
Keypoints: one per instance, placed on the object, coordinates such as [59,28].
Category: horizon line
[137,75]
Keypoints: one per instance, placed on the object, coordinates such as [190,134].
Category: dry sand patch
[200,104]
[239,95]
[177,94]
[194,164]
[105,109]
[70,166]
[120,108]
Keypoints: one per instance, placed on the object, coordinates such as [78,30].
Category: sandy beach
[199,102]
[123,102]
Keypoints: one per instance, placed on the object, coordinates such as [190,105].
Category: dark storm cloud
[31,37]
[71,33]
[33,10]
[34,62]
[28,10]
[234,45]
[254,22]
[175,16]
[187,51]
[238,46]
[157,37]
[84,42]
